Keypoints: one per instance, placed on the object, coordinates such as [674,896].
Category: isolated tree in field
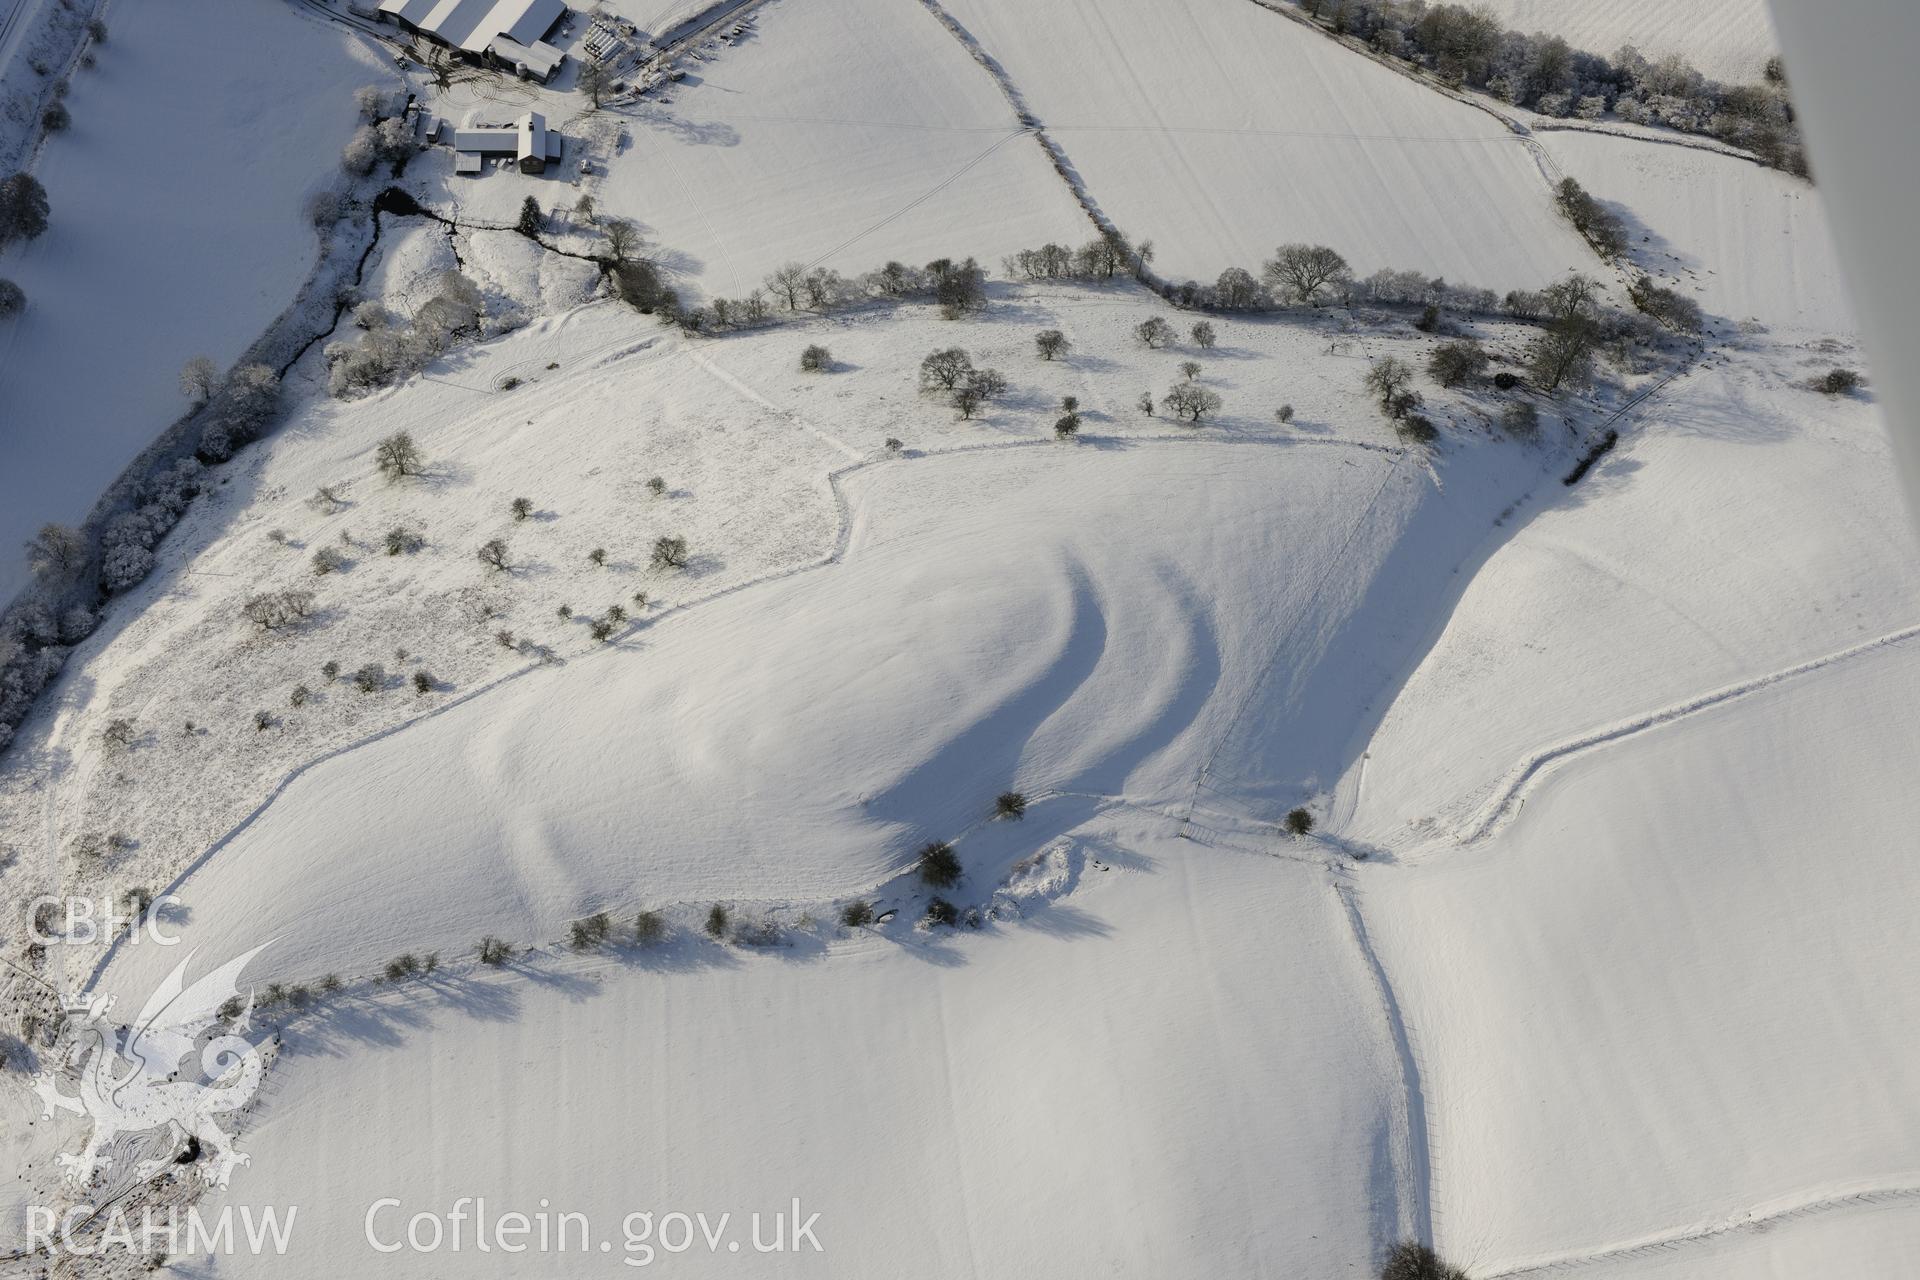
[521,508]
[1283,415]
[789,282]
[623,238]
[1204,336]
[198,378]
[57,552]
[1453,363]
[493,554]
[1236,289]
[1840,382]
[1412,1261]
[1010,804]
[1145,403]
[1154,331]
[1190,401]
[1299,822]
[1388,378]
[596,81]
[856,914]
[942,370]
[1051,343]
[397,457]
[532,221]
[669,553]
[816,359]
[657,486]
[23,208]
[13,299]
[938,865]
[1190,368]
[1303,270]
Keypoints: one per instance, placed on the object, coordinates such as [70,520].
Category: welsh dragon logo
[131,1081]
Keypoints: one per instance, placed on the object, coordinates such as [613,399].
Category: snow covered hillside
[1275,134]
[843,133]
[1182,1065]
[867,752]
[177,230]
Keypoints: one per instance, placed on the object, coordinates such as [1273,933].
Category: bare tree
[397,456]
[1388,378]
[1204,336]
[1154,331]
[371,101]
[1190,368]
[623,238]
[57,552]
[198,378]
[1303,270]
[789,282]
[1051,343]
[1145,403]
[669,553]
[596,81]
[1190,401]
[942,370]
[493,553]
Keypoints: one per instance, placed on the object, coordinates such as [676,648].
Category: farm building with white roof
[509,31]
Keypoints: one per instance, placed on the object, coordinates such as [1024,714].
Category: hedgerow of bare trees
[1594,221]
[1468,47]
[278,610]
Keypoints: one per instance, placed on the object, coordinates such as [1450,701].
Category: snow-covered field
[1182,1065]
[177,230]
[1595,962]
[1703,219]
[1219,130]
[842,133]
[1729,40]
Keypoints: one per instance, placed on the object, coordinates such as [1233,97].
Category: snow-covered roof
[539,58]
[463,23]
[413,12]
[525,21]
